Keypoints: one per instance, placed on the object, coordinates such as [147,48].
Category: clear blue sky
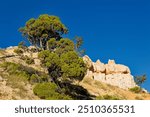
[112,29]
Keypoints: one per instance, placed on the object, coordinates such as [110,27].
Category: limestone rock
[110,73]
[112,67]
[89,74]
[88,61]
[99,76]
[98,67]
[124,81]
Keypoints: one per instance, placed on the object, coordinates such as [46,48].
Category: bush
[18,69]
[34,78]
[45,90]
[38,78]
[27,59]
[18,51]
[136,89]
[27,72]
[22,45]
[34,50]
[48,91]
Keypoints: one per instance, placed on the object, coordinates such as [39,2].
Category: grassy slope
[101,89]
[14,87]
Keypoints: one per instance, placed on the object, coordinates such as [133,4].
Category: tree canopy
[39,31]
[63,61]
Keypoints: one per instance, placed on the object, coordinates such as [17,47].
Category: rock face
[110,73]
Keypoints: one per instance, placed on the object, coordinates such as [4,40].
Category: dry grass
[15,87]
[17,83]
[100,89]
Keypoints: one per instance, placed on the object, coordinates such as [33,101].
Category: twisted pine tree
[39,31]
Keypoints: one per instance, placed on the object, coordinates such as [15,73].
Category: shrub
[18,69]
[38,78]
[48,91]
[136,89]
[22,45]
[27,59]
[18,51]
[34,78]
[44,77]
[45,90]
[34,50]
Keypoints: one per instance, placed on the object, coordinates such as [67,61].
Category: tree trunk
[41,44]
[47,46]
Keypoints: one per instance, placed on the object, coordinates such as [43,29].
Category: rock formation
[111,73]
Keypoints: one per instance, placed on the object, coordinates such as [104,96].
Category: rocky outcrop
[110,73]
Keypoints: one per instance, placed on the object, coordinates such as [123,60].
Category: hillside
[20,70]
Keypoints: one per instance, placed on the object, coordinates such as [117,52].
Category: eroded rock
[110,73]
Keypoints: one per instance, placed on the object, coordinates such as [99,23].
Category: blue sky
[111,29]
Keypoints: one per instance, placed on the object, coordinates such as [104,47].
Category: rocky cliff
[110,73]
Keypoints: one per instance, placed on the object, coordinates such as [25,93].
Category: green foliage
[52,44]
[38,78]
[136,89]
[39,31]
[24,72]
[108,97]
[45,90]
[34,78]
[48,91]
[140,79]
[34,50]
[18,51]
[15,69]
[28,60]
[72,66]
[64,45]
[68,65]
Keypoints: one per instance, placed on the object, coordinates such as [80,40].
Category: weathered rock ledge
[110,73]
